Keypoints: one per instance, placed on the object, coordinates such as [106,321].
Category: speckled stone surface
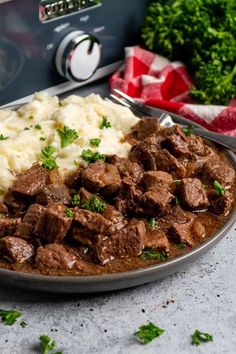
[202,296]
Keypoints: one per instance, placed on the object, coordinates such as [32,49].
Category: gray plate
[102,283]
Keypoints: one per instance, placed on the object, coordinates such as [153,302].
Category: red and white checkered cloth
[155,81]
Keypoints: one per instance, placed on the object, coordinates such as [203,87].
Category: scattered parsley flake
[181,246]
[177,201]
[31,117]
[104,123]
[60,104]
[199,337]
[3,137]
[151,223]
[69,213]
[90,156]
[42,138]
[67,136]
[49,162]
[75,199]
[27,128]
[220,190]
[148,332]
[9,317]
[38,127]
[148,254]
[23,324]
[76,163]
[95,142]
[94,204]
[178,182]
[47,344]
[188,130]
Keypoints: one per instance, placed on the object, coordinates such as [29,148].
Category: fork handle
[225,140]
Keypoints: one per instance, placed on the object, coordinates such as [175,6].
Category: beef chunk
[92,222]
[30,182]
[155,202]
[15,207]
[166,162]
[16,249]
[145,127]
[3,208]
[84,195]
[187,233]
[174,214]
[53,193]
[54,257]
[73,180]
[126,168]
[196,146]
[117,219]
[156,179]
[156,240]
[192,194]
[176,145]
[166,132]
[129,197]
[221,204]
[127,242]
[8,226]
[101,177]
[218,170]
[53,224]
[85,237]
[25,229]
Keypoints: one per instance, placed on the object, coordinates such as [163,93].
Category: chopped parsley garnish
[38,127]
[178,182]
[49,161]
[76,163]
[220,190]
[94,204]
[3,137]
[104,123]
[188,130]
[47,344]
[75,199]
[199,337]
[42,138]
[9,317]
[67,136]
[95,142]
[181,246]
[69,213]
[148,332]
[28,128]
[151,223]
[148,254]
[177,200]
[31,117]
[60,104]
[90,156]
[23,324]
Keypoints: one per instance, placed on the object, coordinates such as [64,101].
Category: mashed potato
[24,133]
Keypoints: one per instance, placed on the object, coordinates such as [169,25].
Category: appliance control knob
[78,56]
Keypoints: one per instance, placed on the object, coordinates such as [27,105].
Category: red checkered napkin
[157,82]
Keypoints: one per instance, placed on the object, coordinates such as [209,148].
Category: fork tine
[123,95]
[119,100]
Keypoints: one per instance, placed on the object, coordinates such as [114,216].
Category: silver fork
[168,119]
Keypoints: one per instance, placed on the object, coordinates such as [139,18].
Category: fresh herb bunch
[201,33]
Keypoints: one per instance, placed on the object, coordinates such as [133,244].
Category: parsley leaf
[198,337]
[48,151]
[178,182]
[148,332]
[104,123]
[95,142]
[38,127]
[49,161]
[31,117]
[3,137]
[23,324]
[220,190]
[42,138]
[90,156]
[47,344]
[75,199]
[67,136]
[9,317]
[188,130]
[151,223]
[148,254]
[181,246]
[94,204]
[69,213]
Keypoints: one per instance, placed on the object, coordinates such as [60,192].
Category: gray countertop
[202,296]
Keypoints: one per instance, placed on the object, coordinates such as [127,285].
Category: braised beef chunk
[15,207]
[126,168]
[129,197]
[16,249]
[188,233]
[53,224]
[145,127]
[176,145]
[156,179]
[157,241]
[3,208]
[92,222]
[117,219]
[29,183]
[73,180]
[127,242]
[101,177]
[8,226]
[218,170]
[155,202]
[25,229]
[54,257]
[145,152]
[221,204]
[53,193]
[173,214]
[166,162]
[192,193]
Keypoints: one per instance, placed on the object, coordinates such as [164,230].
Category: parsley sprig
[220,190]
[94,204]
[49,161]
[47,344]
[104,123]
[9,317]
[188,130]
[151,223]
[90,156]
[2,137]
[149,254]
[95,142]
[148,332]
[75,199]
[67,136]
[69,213]
[199,337]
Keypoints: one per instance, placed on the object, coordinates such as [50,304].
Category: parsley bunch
[202,34]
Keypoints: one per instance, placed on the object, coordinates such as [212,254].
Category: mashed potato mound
[24,133]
